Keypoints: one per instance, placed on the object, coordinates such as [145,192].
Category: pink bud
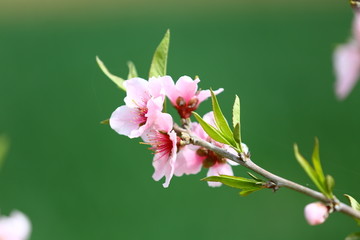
[316,213]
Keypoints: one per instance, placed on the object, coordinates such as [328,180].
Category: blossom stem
[279,181]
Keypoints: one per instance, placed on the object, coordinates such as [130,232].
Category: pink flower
[192,158]
[163,141]
[347,62]
[347,68]
[144,101]
[316,213]
[15,227]
[184,95]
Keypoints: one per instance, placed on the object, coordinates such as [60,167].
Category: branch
[279,181]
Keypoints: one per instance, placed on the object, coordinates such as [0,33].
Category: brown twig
[279,181]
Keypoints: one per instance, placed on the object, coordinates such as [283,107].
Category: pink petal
[347,68]
[164,122]
[187,162]
[205,94]
[162,168]
[187,87]
[219,169]
[154,108]
[164,165]
[316,213]
[122,121]
[137,92]
[15,227]
[170,90]
[156,85]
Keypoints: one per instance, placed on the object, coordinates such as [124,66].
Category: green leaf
[354,204]
[117,80]
[210,130]
[220,120]
[317,163]
[236,111]
[247,191]
[236,134]
[4,147]
[330,183]
[247,185]
[255,177]
[106,121]
[309,170]
[236,122]
[159,61]
[132,70]
[353,236]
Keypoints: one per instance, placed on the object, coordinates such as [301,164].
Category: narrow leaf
[354,204]
[220,120]
[106,121]
[210,130]
[317,163]
[353,236]
[117,80]
[330,183]
[236,111]
[159,61]
[236,136]
[236,182]
[309,170]
[4,147]
[255,177]
[247,191]
[247,185]
[132,70]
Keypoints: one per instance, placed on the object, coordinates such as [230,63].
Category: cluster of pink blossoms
[142,116]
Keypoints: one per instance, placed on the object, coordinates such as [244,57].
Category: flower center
[211,158]
[186,108]
[140,112]
[141,116]
[160,143]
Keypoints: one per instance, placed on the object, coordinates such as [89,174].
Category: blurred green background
[77,179]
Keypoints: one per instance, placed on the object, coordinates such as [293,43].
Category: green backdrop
[77,179]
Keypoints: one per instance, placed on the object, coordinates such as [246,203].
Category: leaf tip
[105,122]
[316,139]
[296,148]
[98,60]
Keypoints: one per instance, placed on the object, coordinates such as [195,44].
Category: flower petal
[205,94]
[187,87]
[164,164]
[347,68]
[137,92]
[219,169]
[316,213]
[15,227]
[156,85]
[187,162]
[164,122]
[122,120]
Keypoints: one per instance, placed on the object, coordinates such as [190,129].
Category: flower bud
[316,213]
